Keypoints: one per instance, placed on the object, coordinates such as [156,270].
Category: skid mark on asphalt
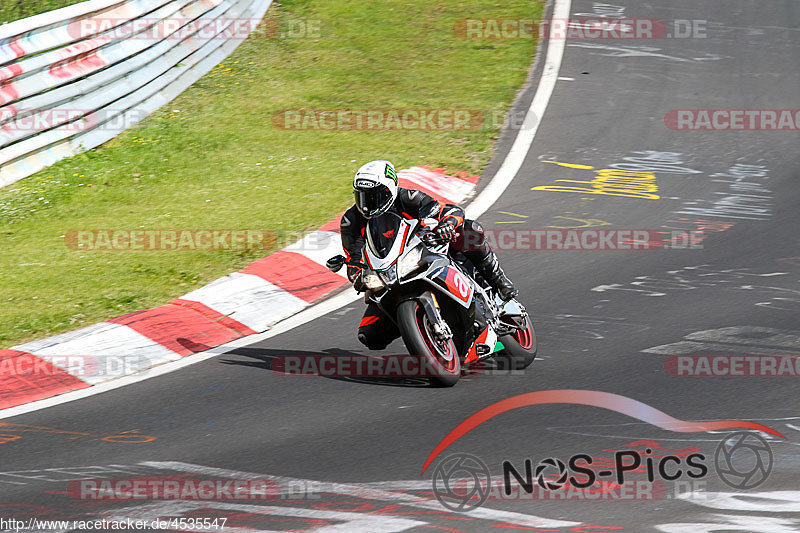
[708,277]
[320,520]
[747,524]
[642,51]
[586,326]
[794,261]
[774,502]
[641,431]
[745,195]
[340,313]
[734,340]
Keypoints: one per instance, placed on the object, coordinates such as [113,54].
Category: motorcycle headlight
[373,282]
[410,262]
[389,276]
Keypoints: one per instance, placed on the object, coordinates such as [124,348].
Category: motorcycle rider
[376,192]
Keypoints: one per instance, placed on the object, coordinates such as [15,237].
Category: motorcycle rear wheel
[441,358]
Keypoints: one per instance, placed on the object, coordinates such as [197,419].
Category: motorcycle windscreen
[382,232]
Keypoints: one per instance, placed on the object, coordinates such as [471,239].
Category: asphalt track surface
[233,413]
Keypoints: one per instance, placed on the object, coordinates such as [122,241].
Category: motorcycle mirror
[335,263]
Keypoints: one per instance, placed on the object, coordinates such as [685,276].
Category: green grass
[11,10]
[213,159]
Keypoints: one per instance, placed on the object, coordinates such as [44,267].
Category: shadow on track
[273,360]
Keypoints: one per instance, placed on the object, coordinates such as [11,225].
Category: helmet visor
[373,201]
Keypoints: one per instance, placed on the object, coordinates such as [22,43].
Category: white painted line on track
[348,521]
[530,125]
[501,180]
[367,491]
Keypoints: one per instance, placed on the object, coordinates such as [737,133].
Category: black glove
[445,231]
[354,275]
[429,238]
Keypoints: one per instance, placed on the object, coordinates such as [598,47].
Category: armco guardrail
[73,78]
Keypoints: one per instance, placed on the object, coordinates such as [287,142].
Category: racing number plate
[458,285]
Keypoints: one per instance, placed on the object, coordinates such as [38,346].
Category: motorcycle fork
[431,307]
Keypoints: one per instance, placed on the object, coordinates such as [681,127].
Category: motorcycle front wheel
[440,357]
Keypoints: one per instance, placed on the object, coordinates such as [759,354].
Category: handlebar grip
[429,237]
[432,239]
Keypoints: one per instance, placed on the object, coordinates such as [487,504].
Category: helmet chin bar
[378,211]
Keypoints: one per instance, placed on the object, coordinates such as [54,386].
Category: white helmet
[375,186]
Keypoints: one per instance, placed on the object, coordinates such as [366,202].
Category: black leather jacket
[410,203]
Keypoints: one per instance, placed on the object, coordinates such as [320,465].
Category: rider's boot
[489,267]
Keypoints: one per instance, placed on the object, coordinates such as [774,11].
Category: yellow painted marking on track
[131,437]
[587,223]
[514,214]
[512,222]
[40,429]
[569,165]
[608,182]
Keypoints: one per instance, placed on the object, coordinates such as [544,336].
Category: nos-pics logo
[462,481]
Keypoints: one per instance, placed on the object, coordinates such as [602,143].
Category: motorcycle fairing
[377,263]
[488,337]
[457,285]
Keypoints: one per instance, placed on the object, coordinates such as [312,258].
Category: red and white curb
[243,303]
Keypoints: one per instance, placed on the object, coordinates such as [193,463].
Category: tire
[519,350]
[412,320]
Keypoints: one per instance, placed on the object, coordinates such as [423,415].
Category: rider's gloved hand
[354,275]
[353,272]
[445,231]
[429,238]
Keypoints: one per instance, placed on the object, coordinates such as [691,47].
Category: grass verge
[212,158]
[11,10]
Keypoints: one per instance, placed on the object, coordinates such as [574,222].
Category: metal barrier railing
[73,78]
